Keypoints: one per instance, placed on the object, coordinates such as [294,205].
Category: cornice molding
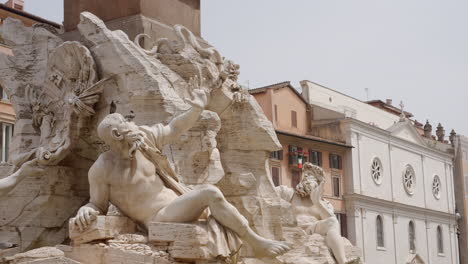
[386,137]
[399,209]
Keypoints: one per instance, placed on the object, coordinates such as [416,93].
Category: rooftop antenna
[367,93]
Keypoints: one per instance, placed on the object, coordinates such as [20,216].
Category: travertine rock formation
[62,90]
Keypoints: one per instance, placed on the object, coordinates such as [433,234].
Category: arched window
[440,240]
[380,231]
[412,237]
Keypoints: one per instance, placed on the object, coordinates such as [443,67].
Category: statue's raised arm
[186,120]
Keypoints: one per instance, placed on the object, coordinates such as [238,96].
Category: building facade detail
[409,179]
[436,187]
[376,171]
[404,202]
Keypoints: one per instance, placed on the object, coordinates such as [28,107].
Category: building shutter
[275,175]
[296,178]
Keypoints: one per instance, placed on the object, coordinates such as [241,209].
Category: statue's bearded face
[129,137]
[121,135]
[308,183]
[312,177]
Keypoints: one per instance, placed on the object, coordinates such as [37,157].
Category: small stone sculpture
[138,179]
[313,213]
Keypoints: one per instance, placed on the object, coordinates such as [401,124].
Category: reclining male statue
[135,177]
[313,213]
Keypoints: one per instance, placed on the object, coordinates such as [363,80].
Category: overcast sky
[415,51]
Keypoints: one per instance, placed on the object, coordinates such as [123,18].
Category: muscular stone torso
[304,210]
[135,188]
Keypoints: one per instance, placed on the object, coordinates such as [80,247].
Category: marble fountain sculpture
[130,152]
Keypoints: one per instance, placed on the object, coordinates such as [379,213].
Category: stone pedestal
[104,227]
[170,12]
[201,241]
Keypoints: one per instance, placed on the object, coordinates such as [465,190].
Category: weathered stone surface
[53,87]
[42,206]
[312,249]
[54,260]
[44,255]
[197,241]
[104,227]
[118,254]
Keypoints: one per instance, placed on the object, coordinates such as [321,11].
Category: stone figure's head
[121,135]
[312,176]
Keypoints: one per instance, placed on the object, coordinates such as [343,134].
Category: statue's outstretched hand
[200,99]
[85,216]
[200,95]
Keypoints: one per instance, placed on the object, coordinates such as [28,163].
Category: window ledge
[441,254]
[381,249]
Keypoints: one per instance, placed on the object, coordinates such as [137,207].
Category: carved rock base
[104,227]
[202,241]
[312,249]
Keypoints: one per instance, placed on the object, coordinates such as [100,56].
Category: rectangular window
[335,161]
[336,185]
[277,155]
[296,178]
[343,226]
[7,134]
[276,113]
[315,157]
[300,157]
[293,119]
[276,175]
[293,155]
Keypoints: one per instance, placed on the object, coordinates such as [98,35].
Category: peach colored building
[13,9]
[291,117]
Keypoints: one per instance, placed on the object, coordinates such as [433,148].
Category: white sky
[415,51]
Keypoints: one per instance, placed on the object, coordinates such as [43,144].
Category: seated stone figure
[137,178]
[312,212]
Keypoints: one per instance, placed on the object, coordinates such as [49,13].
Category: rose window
[436,187]
[376,171]
[409,179]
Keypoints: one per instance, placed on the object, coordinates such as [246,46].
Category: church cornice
[386,137]
[395,208]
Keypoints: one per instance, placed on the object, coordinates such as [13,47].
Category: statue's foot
[270,248]
[353,261]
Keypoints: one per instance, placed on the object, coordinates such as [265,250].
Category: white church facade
[399,185]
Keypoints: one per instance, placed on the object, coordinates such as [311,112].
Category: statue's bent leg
[188,207]
[330,228]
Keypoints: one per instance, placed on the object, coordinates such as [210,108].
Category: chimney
[388,101]
[452,137]
[16,4]
[440,133]
[427,130]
